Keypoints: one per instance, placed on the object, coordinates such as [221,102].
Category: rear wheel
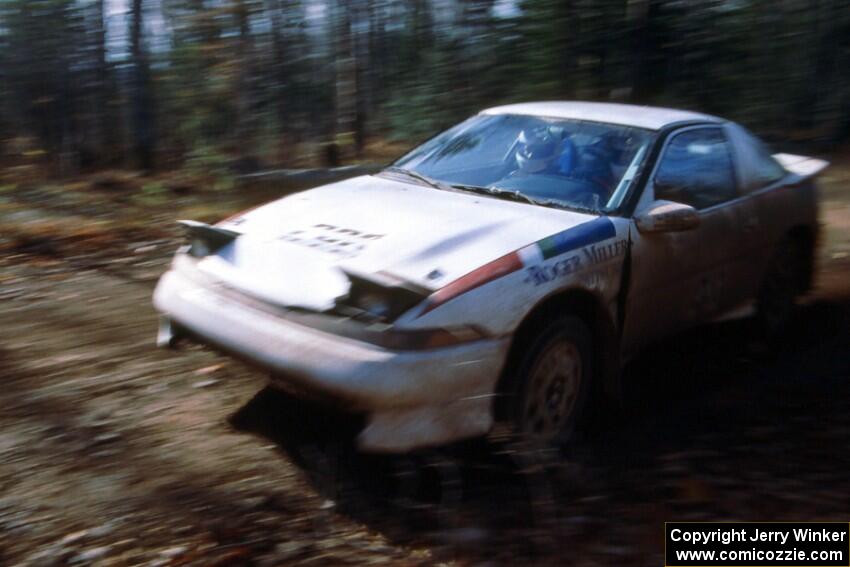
[553,383]
[782,284]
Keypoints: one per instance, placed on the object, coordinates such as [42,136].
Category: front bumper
[412,398]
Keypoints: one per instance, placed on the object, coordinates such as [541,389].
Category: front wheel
[553,383]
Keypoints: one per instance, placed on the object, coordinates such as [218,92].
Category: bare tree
[143,116]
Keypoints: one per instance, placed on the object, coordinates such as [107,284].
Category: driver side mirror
[667,216]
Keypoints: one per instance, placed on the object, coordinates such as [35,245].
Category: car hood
[295,251]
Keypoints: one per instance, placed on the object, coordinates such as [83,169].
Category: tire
[780,287]
[553,384]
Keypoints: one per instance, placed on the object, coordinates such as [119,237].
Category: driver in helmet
[539,151]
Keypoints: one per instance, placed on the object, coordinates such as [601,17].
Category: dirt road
[115,453]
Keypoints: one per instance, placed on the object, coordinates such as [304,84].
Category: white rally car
[502,271]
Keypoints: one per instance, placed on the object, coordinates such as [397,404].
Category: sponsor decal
[350,232]
[582,235]
[336,240]
[598,254]
[548,272]
[587,236]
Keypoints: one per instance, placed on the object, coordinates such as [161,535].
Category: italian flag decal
[573,238]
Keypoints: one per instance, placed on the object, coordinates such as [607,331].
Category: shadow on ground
[715,425]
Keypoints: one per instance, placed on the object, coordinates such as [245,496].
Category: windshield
[554,162]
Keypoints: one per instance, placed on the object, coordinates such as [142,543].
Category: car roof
[649,117]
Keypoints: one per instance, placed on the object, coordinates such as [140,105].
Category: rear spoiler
[801,165]
[206,239]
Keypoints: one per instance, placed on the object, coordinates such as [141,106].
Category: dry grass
[62,236]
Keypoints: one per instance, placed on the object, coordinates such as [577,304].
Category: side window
[766,170]
[696,169]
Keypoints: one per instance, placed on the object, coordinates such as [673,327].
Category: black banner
[760,544]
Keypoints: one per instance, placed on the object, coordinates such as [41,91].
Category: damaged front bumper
[412,399]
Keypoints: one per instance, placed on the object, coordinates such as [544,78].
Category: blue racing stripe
[576,237]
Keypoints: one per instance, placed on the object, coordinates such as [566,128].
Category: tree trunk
[144,136]
[568,37]
[280,78]
[103,140]
[346,78]
[243,87]
[639,17]
[360,42]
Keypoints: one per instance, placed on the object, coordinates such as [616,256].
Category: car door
[679,279]
[765,207]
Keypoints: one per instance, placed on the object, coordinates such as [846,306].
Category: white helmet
[537,149]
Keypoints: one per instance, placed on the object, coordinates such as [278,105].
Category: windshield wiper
[415,175]
[518,196]
[501,193]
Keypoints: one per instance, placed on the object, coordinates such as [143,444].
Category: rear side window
[696,169]
[765,169]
